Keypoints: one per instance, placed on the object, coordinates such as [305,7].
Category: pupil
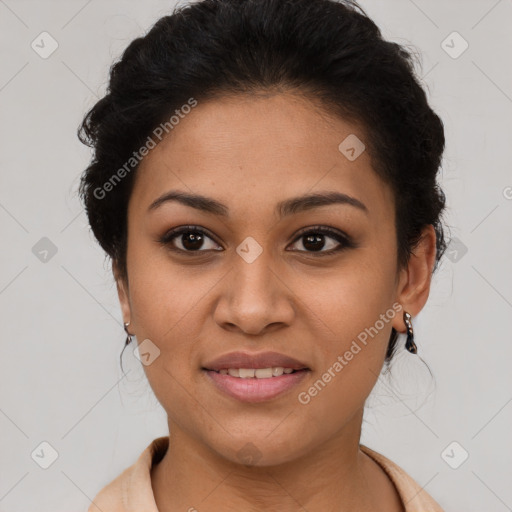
[314,242]
[191,241]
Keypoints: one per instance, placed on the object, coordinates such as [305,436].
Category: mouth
[256,373]
[255,377]
[255,389]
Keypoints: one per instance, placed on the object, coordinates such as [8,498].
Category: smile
[256,373]
[255,385]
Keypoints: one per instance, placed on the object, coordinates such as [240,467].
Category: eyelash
[345,241]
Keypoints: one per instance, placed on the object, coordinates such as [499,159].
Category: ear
[122,293]
[414,283]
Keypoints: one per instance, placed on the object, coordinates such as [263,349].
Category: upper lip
[254,360]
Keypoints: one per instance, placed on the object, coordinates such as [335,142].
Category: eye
[317,238]
[189,239]
[194,239]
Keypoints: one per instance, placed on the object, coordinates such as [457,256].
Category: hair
[326,50]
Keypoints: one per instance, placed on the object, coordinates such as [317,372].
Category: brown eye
[189,239]
[321,240]
[318,239]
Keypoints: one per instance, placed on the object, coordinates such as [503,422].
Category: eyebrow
[283,208]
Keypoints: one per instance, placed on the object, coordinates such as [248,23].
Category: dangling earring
[129,335]
[409,344]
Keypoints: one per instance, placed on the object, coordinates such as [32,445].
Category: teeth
[260,373]
[263,373]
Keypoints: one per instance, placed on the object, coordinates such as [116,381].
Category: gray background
[61,326]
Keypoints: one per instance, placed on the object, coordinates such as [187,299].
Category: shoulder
[414,497]
[131,490]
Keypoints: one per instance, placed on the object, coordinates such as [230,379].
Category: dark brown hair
[328,50]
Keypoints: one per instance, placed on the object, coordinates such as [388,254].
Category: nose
[255,299]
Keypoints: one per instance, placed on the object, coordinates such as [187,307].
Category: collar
[131,491]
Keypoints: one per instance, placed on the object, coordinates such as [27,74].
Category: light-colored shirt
[131,491]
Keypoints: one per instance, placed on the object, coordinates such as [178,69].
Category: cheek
[164,298]
[347,303]
[354,329]
[165,307]
[168,308]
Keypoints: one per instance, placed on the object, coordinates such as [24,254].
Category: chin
[260,449]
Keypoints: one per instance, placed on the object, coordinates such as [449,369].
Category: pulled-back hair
[327,50]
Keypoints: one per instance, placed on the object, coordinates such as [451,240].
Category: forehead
[252,152]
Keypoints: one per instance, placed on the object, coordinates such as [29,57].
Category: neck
[335,476]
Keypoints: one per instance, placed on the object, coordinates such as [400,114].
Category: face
[259,278]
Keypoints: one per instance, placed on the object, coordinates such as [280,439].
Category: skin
[250,153]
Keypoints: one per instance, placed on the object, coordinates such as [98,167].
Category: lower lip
[253,389]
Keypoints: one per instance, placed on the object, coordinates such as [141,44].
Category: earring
[129,335]
[409,344]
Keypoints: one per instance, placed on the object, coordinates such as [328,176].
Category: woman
[264,181]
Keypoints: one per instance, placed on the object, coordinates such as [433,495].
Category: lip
[255,390]
[254,360]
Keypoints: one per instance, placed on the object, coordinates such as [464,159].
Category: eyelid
[170,235]
[320,228]
[342,238]
[345,241]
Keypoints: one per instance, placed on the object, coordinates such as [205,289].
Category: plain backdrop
[61,326]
